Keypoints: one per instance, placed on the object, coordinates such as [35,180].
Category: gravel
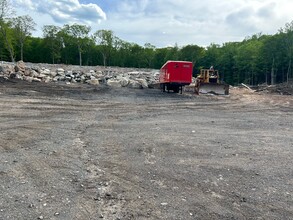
[91,152]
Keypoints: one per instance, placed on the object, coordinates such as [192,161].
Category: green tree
[137,56]
[5,26]
[211,56]
[287,33]
[78,35]
[53,41]
[172,53]
[123,54]
[149,54]
[191,53]
[106,40]
[160,57]
[36,51]
[227,62]
[23,26]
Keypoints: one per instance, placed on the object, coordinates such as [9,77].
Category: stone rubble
[94,75]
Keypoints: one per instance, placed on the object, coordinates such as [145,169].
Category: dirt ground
[83,152]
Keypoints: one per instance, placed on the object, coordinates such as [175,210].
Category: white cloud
[167,22]
[65,11]
[27,4]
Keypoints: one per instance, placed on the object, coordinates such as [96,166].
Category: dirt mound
[281,89]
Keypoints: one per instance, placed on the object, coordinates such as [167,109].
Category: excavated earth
[96,152]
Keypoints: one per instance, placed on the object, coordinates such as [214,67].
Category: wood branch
[247,87]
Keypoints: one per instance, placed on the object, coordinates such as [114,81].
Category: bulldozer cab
[209,75]
[208,81]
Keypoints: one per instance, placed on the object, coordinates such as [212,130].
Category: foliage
[77,35]
[53,41]
[106,41]
[5,27]
[22,26]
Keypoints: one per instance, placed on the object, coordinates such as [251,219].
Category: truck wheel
[162,86]
[176,89]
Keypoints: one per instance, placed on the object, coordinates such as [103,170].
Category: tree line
[257,59]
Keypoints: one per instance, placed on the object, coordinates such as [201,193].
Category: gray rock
[114,83]
[93,82]
[27,72]
[41,76]
[143,83]
[134,84]
[28,78]
[53,74]
[20,66]
[36,80]
[124,82]
[19,75]
[46,71]
[12,75]
[47,79]
[33,73]
[60,71]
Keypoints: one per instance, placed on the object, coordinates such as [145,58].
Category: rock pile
[117,77]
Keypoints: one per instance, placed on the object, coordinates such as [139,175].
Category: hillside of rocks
[94,75]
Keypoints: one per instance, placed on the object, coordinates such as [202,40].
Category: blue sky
[164,22]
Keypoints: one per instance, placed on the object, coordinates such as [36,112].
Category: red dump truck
[174,75]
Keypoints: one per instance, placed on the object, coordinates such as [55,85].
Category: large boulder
[36,80]
[28,78]
[143,83]
[113,83]
[47,79]
[134,84]
[2,69]
[93,82]
[45,71]
[37,69]
[60,71]
[33,73]
[124,82]
[27,72]
[19,75]
[41,76]
[20,66]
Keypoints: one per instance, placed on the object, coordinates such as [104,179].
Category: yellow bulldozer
[208,81]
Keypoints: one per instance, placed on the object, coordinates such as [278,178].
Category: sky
[164,23]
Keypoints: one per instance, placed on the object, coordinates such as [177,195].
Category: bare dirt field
[84,152]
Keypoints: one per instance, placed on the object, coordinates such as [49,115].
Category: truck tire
[176,89]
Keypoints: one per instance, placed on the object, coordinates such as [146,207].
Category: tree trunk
[9,46]
[79,51]
[272,73]
[104,59]
[288,71]
[272,76]
[21,51]
[80,61]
